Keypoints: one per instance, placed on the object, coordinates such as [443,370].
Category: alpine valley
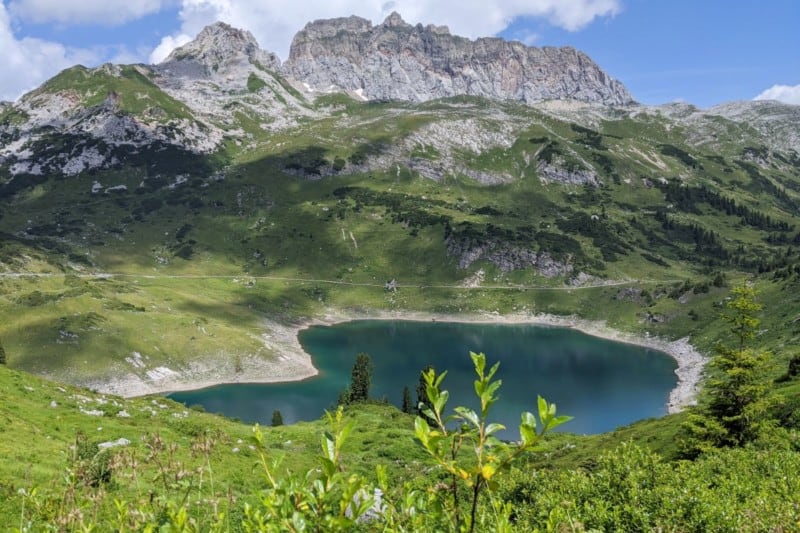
[172,226]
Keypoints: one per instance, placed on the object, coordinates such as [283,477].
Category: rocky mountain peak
[395,20]
[327,28]
[397,61]
[218,49]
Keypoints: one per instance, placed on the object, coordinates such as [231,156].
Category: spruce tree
[736,409]
[277,418]
[407,407]
[360,381]
[361,378]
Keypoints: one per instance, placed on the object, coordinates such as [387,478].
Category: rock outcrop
[223,70]
[507,257]
[397,61]
[218,51]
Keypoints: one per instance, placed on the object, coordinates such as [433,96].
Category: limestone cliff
[395,60]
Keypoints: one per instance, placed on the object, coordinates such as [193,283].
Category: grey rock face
[395,60]
[212,73]
[550,173]
[216,51]
[506,256]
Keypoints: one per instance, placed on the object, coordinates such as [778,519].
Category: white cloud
[275,22]
[526,37]
[28,62]
[102,12]
[788,94]
[167,45]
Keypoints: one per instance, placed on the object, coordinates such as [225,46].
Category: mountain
[397,61]
[222,74]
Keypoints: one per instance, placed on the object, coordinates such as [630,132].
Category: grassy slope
[41,421]
[136,92]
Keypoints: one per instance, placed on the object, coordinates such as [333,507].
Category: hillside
[175,224]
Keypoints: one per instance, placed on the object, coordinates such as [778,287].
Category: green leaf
[440,402]
[422,430]
[479,362]
[543,409]
[528,419]
[493,370]
[383,479]
[527,434]
[494,428]
[328,447]
[557,421]
[469,415]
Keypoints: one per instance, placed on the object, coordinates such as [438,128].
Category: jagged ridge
[395,60]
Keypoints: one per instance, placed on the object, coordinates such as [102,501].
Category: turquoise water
[603,384]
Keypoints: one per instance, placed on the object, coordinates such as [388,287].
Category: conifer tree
[737,407]
[361,378]
[360,381]
[407,407]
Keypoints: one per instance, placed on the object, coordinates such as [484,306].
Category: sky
[703,52]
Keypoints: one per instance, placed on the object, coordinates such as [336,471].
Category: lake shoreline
[294,363]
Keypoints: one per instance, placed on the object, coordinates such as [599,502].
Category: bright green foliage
[632,489]
[325,499]
[736,411]
[476,433]
[423,403]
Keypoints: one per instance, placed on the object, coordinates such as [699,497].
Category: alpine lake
[603,384]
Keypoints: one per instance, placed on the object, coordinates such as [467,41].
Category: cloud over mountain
[274,23]
[788,94]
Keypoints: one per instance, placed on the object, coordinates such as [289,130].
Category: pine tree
[277,418]
[360,381]
[737,405]
[407,407]
[361,378]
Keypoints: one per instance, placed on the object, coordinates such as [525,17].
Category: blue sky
[703,52]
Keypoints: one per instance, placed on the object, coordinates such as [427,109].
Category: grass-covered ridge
[129,85]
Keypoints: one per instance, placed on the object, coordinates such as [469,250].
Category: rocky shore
[292,363]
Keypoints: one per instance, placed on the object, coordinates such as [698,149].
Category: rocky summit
[219,50]
[397,61]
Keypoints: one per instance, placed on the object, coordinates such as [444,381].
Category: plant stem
[475,493]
